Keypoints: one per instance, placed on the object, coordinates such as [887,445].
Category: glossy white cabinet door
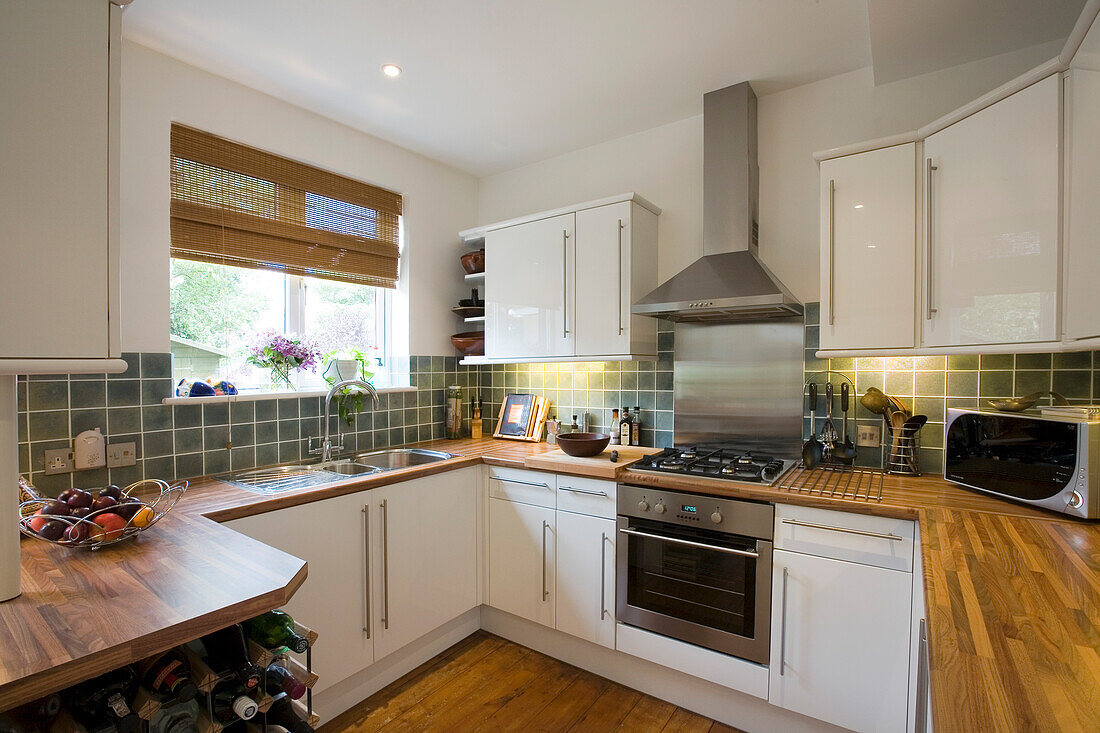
[991,254]
[840,642]
[330,535]
[868,250]
[1082,214]
[54,179]
[530,299]
[521,560]
[425,562]
[585,579]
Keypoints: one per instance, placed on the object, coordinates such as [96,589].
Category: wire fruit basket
[93,520]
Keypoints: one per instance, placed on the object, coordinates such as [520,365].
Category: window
[217,312]
[264,243]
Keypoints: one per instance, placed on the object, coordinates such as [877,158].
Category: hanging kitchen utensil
[846,451]
[829,435]
[812,450]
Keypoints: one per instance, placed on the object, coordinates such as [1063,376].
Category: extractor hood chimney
[728,283]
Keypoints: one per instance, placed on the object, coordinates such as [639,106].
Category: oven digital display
[690,509]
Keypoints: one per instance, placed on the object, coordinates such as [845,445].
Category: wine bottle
[227,650]
[615,435]
[274,630]
[33,716]
[179,718]
[624,427]
[282,713]
[168,676]
[279,679]
[231,702]
[636,427]
[104,701]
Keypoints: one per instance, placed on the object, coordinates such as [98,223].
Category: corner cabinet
[560,285]
[868,249]
[991,255]
[58,191]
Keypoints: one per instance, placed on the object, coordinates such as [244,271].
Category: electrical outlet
[869,436]
[121,454]
[58,461]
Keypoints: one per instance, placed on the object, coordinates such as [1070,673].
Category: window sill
[255,396]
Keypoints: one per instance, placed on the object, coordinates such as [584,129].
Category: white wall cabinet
[425,567]
[840,641]
[522,560]
[561,284]
[991,254]
[58,191]
[868,250]
[332,537]
[1082,215]
[585,578]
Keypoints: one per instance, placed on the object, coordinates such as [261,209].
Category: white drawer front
[586,496]
[518,484]
[878,541]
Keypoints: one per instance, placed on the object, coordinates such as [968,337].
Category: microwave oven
[1043,460]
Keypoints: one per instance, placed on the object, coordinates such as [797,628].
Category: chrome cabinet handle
[832,248]
[849,530]
[688,543]
[517,481]
[920,725]
[930,310]
[619,306]
[564,284]
[545,592]
[385,567]
[366,576]
[783,627]
[572,490]
[603,578]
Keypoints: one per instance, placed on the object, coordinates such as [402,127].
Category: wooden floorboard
[485,683]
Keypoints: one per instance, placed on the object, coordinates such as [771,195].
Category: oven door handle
[688,543]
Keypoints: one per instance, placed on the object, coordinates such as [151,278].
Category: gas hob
[716,462]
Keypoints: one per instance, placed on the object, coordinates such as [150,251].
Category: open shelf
[469,360]
[475,319]
[476,277]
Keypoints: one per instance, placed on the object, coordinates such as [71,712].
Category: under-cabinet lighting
[391,69]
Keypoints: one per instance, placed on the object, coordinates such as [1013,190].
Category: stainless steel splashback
[740,383]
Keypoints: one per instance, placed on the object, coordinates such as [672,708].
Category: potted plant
[349,364]
[283,355]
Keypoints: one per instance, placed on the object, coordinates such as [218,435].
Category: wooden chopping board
[595,467]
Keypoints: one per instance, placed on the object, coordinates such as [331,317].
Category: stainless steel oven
[696,568]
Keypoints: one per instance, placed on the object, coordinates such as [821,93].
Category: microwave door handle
[688,543]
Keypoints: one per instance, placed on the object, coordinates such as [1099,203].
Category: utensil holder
[900,453]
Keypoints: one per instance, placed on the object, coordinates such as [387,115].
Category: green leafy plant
[349,401]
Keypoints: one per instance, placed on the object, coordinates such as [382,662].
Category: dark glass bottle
[282,713]
[636,427]
[279,679]
[168,675]
[624,427]
[227,650]
[105,701]
[231,702]
[274,630]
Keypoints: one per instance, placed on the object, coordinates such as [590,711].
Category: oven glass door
[703,587]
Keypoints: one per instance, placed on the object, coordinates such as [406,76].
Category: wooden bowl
[471,343]
[583,445]
[474,262]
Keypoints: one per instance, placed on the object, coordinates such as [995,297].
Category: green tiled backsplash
[182,441]
[931,384]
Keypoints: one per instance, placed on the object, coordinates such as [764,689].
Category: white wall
[157,90]
[665,164]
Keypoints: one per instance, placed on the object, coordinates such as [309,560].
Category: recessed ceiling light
[391,69]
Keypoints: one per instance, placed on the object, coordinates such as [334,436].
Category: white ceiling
[490,85]
[910,37]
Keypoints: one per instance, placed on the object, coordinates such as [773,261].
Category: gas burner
[716,462]
[745,460]
[688,454]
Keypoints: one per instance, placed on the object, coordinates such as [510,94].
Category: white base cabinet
[521,560]
[585,578]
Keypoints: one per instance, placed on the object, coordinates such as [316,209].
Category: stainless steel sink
[290,478]
[392,458]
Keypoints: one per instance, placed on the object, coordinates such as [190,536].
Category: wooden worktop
[1011,593]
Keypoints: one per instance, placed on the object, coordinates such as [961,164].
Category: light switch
[869,436]
[121,454]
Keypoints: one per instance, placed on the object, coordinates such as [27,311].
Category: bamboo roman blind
[236,205]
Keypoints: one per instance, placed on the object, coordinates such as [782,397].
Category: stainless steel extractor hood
[728,283]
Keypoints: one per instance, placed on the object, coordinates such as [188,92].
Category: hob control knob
[643,506]
[716,517]
[660,508]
